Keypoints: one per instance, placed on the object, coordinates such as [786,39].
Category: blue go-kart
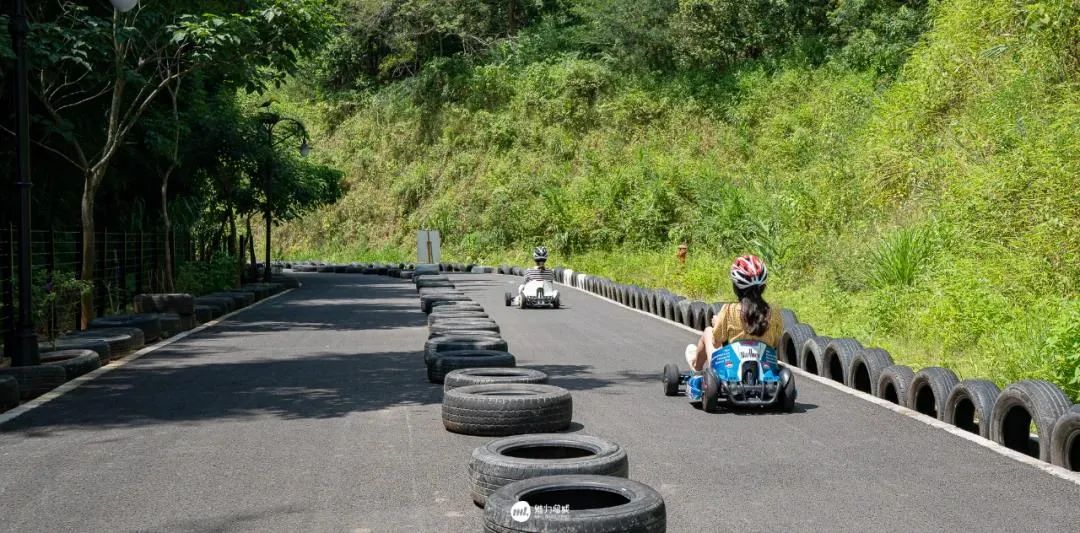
[743,374]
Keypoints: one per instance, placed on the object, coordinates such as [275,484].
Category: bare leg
[704,348]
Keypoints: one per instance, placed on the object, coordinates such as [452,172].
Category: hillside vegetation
[909,170]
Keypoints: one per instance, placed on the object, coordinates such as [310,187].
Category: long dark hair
[755,310]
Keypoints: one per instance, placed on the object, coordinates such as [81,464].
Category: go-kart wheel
[521,302]
[671,380]
[710,397]
[509,299]
[788,392]
[555,303]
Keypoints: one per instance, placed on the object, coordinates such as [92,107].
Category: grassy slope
[968,160]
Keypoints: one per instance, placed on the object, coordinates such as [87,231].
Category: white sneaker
[691,354]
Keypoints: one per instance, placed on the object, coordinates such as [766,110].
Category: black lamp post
[26,345]
[269,121]
[25,351]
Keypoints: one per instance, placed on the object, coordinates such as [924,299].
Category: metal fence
[125,264]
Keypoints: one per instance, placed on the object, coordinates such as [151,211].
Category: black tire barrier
[1065,442]
[893,384]
[455,342]
[596,504]
[74,362]
[222,303]
[9,392]
[929,390]
[812,354]
[121,341]
[866,368]
[789,318]
[464,332]
[35,380]
[425,269]
[503,409]
[836,361]
[445,362]
[149,323]
[99,346]
[205,313]
[682,313]
[181,304]
[970,405]
[432,282]
[699,315]
[239,299]
[324,268]
[454,306]
[1021,404]
[503,461]
[448,326]
[486,375]
[791,344]
[170,324]
[558,274]
[463,314]
[427,299]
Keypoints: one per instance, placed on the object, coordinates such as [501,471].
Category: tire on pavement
[427,299]
[149,323]
[597,504]
[791,343]
[970,405]
[179,303]
[435,318]
[452,342]
[893,384]
[121,341]
[99,346]
[1021,404]
[929,390]
[9,392]
[500,462]
[484,375]
[204,313]
[74,362]
[836,361]
[866,368]
[442,363]
[698,312]
[447,326]
[501,409]
[812,354]
[682,313]
[35,380]
[790,319]
[1065,442]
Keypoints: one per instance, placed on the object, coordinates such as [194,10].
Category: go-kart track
[311,412]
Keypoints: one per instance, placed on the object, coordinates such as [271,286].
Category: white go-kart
[534,294]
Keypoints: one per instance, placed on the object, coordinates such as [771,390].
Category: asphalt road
[311,412]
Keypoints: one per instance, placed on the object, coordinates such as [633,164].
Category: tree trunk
[168,232]
[251,244]
[234,253]
[87,268]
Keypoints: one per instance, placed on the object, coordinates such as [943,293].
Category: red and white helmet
[749,271]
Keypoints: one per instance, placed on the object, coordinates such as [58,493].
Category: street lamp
[269,121]
[25,352]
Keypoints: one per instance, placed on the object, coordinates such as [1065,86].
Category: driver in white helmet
[540,273]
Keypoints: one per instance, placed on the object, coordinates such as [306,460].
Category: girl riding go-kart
[735,358]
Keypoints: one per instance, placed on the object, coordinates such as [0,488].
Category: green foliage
[1063,346]
[900,258]
[202,277]
[56,301]
[848,143]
